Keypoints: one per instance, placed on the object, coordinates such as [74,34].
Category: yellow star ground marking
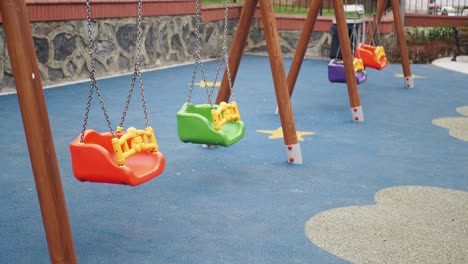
[278,133]
[203,84]
[400,75]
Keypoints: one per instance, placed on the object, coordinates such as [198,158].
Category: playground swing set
[365,55]
[210,124]
[191,117]
[336,71]
[373,57]
[129,157]
[127,154]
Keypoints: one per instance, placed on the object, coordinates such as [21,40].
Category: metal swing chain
[353,38]
[356,38]
[198,61]
[224,54]
[93,85]
[226,57]
[137,72]
[379,40]
[374,30]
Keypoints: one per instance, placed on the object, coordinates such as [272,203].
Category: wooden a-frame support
[345,45]
[270,24]
[399,28]
[293,149]
[37,130]
[353,92]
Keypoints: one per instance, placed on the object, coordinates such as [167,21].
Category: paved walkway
[461,65]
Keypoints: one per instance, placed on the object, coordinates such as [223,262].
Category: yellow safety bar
[225,113]
[379,52]
[358,65]
[140,140]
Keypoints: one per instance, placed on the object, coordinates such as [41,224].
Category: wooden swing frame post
[37,130]
[400,36]
[353,91]
[347,54]
[302,44]
[343,36]
[402,43]
[277,68]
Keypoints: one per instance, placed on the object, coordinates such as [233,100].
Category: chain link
[225,53]
[375,32]
[198,58]
[137,71]
[93,84]
[198,61]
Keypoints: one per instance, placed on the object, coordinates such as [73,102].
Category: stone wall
[318,48]
[63,55]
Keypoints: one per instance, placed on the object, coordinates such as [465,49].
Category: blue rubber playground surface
[243,203]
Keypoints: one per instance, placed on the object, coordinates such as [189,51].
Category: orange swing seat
[373,57]
[104,159]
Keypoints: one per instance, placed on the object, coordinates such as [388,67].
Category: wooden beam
[345,46]
[38,133]
[402,43]
[277,69]
[302,44]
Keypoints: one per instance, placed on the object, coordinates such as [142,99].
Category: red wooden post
[38,132]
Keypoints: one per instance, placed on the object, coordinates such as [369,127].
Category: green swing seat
[195,124]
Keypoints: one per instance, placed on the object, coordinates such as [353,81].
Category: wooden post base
[409,83]
[357,114]
[294,153]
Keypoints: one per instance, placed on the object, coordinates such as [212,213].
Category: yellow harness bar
[358,65]
[225,113]
[379,52]
[140,140]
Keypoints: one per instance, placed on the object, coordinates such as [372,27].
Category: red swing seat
[95,160]
[373,57]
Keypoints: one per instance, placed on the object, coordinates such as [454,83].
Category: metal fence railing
[433,7]
[438,7]
[302,6]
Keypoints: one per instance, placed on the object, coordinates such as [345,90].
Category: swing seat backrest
[195,124]
[373,57]
[336,72]
[94,160]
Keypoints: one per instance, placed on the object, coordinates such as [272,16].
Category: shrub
[424,46]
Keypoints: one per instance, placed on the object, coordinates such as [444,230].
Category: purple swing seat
[336,73]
